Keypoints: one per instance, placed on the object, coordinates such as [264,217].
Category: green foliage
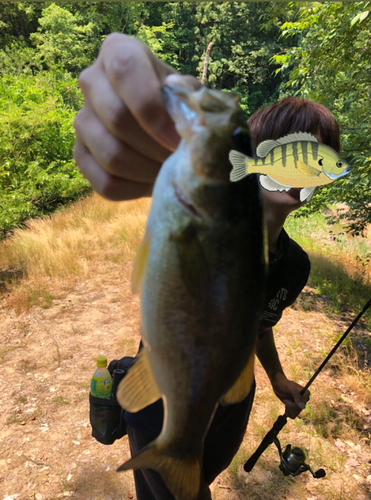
[157,37]
[37,173]
[241,51]
[44,46]
[17,21]
[62,39]
[331,64]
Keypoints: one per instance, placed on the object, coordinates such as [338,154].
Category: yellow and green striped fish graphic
[295,161]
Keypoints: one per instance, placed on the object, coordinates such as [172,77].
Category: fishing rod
[293,459]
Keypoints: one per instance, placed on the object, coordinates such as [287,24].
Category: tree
[241,53]
[37,172]
[331,64]
[63,40]
[43,47]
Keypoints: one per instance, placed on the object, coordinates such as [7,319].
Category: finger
[107,185]
[291,409]
[300,399]
[115,115]
[112,155]
[306,396]
[187,81]
[137,76]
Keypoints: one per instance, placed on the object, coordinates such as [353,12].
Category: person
[123,135]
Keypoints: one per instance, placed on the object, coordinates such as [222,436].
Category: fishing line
[293,459]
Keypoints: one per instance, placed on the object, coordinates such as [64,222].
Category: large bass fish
[201,268]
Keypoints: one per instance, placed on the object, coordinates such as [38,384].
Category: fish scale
[202,271]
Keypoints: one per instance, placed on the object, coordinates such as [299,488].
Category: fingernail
[175,79]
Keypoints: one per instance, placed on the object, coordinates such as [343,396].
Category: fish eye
[339,164]
[320,162]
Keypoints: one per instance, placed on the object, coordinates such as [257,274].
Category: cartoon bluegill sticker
[295,161]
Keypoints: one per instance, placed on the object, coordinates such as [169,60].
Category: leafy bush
[37,172]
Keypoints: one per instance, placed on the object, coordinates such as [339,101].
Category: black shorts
[222,442]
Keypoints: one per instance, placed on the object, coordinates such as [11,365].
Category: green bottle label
[101,387]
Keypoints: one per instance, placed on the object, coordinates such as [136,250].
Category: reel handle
[319,473]
[267,441]
[282,419]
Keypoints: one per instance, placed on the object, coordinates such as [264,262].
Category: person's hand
[123,132]
[289,393]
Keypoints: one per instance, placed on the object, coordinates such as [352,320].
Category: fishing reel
[293,461]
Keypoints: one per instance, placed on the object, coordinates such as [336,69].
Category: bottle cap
[101,362]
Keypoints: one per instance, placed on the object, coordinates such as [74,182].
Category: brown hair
[292,114]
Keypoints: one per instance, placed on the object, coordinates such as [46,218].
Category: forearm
[287,391]
[268,355]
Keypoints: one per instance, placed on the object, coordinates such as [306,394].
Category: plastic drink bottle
[101,383]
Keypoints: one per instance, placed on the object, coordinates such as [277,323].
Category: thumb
[299,400]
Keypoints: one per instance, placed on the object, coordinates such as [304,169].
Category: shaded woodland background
[262,50]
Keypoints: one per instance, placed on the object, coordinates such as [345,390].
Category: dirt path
[47,359]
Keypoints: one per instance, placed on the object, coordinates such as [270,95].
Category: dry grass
[70,245]
[93,236]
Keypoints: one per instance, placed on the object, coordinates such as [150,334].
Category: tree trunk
[206,62]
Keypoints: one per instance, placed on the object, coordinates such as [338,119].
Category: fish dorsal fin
[266,147]
[140,264]
[271,185]
[297,136]
[182,475]
[307,169]
[306,194]
[138,388]
[241,388]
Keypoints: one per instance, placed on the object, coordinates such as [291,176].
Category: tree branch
[206,63]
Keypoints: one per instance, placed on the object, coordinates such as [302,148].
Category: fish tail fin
[182,476]
[239,162]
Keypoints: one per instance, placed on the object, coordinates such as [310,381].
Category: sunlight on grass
[70,245]
[46,260]
[89,231]
[340,264]
[350,253]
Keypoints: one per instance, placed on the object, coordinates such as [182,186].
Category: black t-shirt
[288,273]
[289,269]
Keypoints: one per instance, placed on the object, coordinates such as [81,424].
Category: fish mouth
[333,176]
[184,201]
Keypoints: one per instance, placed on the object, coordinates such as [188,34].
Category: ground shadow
[94,482]
[9,276]
[265,481]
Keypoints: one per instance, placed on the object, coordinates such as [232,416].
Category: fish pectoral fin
[138,388]
[307,169]
[140,264]
[241,388]
[239,162]
[271,185]
[306,194]
[182,476]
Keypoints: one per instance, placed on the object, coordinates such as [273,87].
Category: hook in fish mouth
[183,200]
